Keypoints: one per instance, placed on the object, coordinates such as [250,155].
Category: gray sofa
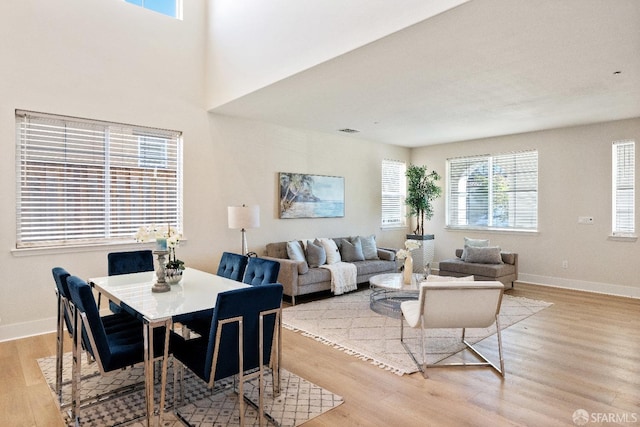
[505,272]
[298,278]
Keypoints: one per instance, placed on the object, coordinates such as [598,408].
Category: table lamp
[244,217]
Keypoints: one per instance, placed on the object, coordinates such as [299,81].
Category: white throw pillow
[330,247]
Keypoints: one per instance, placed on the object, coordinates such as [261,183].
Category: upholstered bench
[505,272]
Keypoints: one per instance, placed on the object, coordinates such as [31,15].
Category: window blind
[393,193]
[85,182]
[493,192]
[623,188]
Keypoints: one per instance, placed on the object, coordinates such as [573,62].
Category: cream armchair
[454,304]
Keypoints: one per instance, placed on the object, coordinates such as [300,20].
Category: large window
[623,188]
[493,192]
[91,182]
[171,8]
[394,189]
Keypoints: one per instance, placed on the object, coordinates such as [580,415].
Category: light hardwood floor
[583,352]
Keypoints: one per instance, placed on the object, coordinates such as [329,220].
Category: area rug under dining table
[298,402]
[347,323]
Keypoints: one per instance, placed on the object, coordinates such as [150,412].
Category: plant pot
[172,275]
[423,256]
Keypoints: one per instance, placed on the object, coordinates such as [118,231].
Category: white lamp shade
[244,216]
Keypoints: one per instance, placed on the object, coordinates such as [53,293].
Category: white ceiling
[485,68]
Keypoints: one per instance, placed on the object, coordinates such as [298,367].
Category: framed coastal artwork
[311,196]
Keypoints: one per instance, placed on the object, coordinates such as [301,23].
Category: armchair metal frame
[449,312]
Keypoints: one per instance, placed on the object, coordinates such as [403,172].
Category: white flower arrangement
[409,245]
[149,233]
[165,234]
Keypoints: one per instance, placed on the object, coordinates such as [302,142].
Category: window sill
[493,230]
[623,238]
[69,249]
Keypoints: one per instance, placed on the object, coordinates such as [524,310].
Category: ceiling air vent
[347,130]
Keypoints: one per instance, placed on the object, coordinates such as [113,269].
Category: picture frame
[310,196]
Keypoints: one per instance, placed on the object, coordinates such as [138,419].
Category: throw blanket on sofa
[343,277]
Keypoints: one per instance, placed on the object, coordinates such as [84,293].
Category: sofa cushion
[466,268]
[314,275]
[316,255]
[351,250]
[368,267]
[488,255]
[369,247]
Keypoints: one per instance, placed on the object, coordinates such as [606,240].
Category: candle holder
[161,285]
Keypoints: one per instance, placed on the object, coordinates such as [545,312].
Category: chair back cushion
[232,266]
[261,271]
[248,303]
[60,276]
[118,338]
[460,304]
[130,262]
[82,297]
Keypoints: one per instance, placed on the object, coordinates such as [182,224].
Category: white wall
[110,60]
[574,180]
[103,59]
[256,43]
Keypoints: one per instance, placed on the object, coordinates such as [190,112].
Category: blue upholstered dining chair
[60,276]
[244,332]
[261,271]
[65,317]
[128,262]
[232,266]
[113,344]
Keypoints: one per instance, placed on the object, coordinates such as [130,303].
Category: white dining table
[197,291]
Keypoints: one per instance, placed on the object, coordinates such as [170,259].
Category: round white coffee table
[388,291]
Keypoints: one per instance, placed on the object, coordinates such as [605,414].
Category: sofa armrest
[386,254]
[288,275]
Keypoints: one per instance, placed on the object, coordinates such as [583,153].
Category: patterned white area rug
[346,322]
[298,402]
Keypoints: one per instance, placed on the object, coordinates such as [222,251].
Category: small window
[86,181]
[171,8]
[152,152]
[394,191]
[497,192]
[623,188]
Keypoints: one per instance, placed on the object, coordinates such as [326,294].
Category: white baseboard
[581,285]
[27,329]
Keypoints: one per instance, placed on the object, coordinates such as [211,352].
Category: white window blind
[394,186]
[623,188]
[86,182]
[493,192]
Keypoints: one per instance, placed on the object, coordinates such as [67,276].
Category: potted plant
[422,190]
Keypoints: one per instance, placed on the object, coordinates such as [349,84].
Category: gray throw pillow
[476,243]
[316,256]
[351,251]
[488,255]
[369,247]
[295,251]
